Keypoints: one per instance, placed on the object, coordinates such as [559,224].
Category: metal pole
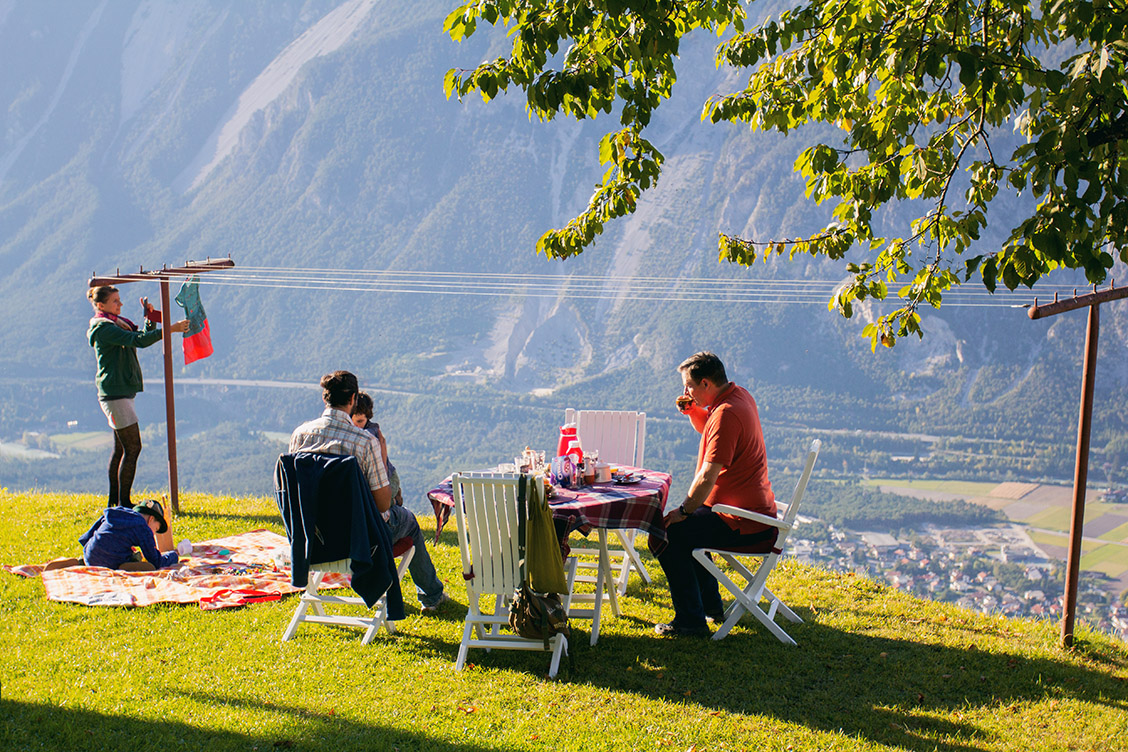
[170,406]
[1080,476]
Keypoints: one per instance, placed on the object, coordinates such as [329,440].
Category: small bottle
[575,451]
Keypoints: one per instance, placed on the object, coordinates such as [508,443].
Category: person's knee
[403,523]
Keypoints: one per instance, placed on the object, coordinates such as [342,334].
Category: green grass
[875,669]
[964,487]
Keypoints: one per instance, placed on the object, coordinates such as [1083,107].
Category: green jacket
[119,373]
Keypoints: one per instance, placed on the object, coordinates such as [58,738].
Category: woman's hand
[179,326]
[145,304]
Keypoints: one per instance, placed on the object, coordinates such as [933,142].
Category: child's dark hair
[363,405]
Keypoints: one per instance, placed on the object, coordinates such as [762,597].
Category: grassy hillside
[874,670]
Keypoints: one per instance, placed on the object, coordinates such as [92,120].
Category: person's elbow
[383,498]
[710,471]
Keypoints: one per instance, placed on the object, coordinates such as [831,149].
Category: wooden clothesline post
[1084,424]
[163,275]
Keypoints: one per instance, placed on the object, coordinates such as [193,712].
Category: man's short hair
[338,388]
[363,405]
[704,365]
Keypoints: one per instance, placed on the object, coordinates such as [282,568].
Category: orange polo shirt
[733,439]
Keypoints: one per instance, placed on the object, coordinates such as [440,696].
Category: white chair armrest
[754,516]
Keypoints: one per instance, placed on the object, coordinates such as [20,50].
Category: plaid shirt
[334,433]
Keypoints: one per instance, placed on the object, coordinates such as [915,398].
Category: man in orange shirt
[732,468]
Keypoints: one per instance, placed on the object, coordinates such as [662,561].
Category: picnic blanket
[234,571]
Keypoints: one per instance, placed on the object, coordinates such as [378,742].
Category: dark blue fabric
[329,514]
[109,542]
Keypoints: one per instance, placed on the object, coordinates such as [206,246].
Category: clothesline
[586,287]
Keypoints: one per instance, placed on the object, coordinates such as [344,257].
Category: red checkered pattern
[603,505]
[221,573]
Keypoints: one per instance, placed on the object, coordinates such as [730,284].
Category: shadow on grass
[890,691]
[27,725]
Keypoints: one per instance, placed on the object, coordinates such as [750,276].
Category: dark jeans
[693,590]
[428,586]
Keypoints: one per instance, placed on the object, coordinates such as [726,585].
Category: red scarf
[121,321]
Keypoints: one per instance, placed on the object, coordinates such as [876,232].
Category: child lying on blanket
[110,541]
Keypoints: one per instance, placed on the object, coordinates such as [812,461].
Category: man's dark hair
[363,405]
[338,388]
[704,365]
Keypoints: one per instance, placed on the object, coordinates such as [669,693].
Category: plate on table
[626,479]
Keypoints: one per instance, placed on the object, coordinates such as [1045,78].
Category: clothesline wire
[314,272]
[582,287]
[427,289]
[821,288]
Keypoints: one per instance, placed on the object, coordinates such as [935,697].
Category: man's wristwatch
[685,512]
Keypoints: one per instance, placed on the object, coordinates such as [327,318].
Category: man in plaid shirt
[334,433]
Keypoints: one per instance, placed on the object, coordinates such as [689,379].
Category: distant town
[994,570]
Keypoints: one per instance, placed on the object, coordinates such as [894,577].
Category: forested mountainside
[314,134]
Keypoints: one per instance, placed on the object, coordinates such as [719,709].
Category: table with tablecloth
[600,507]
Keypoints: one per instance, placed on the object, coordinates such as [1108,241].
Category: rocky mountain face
[313,136]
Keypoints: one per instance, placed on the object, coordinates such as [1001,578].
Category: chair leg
[379,619]
[464,648]
[631,560]
[603,582]
[559,648]
[790,615]
[304,603]
[299,616]
[311,588]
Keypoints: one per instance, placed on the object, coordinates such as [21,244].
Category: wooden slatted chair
[314,601]
[486,511]
[748,597]
[311,605]
[620,438]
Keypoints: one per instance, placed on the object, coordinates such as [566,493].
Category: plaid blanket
[221,573]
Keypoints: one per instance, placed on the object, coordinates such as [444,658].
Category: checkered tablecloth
[602,505]
[223,572]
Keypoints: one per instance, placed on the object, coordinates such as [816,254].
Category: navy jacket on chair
[329,514]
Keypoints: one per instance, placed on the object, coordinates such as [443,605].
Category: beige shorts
[119,412]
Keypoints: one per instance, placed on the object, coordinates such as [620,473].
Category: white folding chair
[485,507]
[620,438]
[747,598]
[403,549]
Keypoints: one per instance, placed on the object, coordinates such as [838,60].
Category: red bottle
[567,436]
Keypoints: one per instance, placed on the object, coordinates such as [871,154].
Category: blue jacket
[109,542]
[329,514]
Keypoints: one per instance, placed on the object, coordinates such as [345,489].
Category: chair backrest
[618,435]
[488,531]
[801,487]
